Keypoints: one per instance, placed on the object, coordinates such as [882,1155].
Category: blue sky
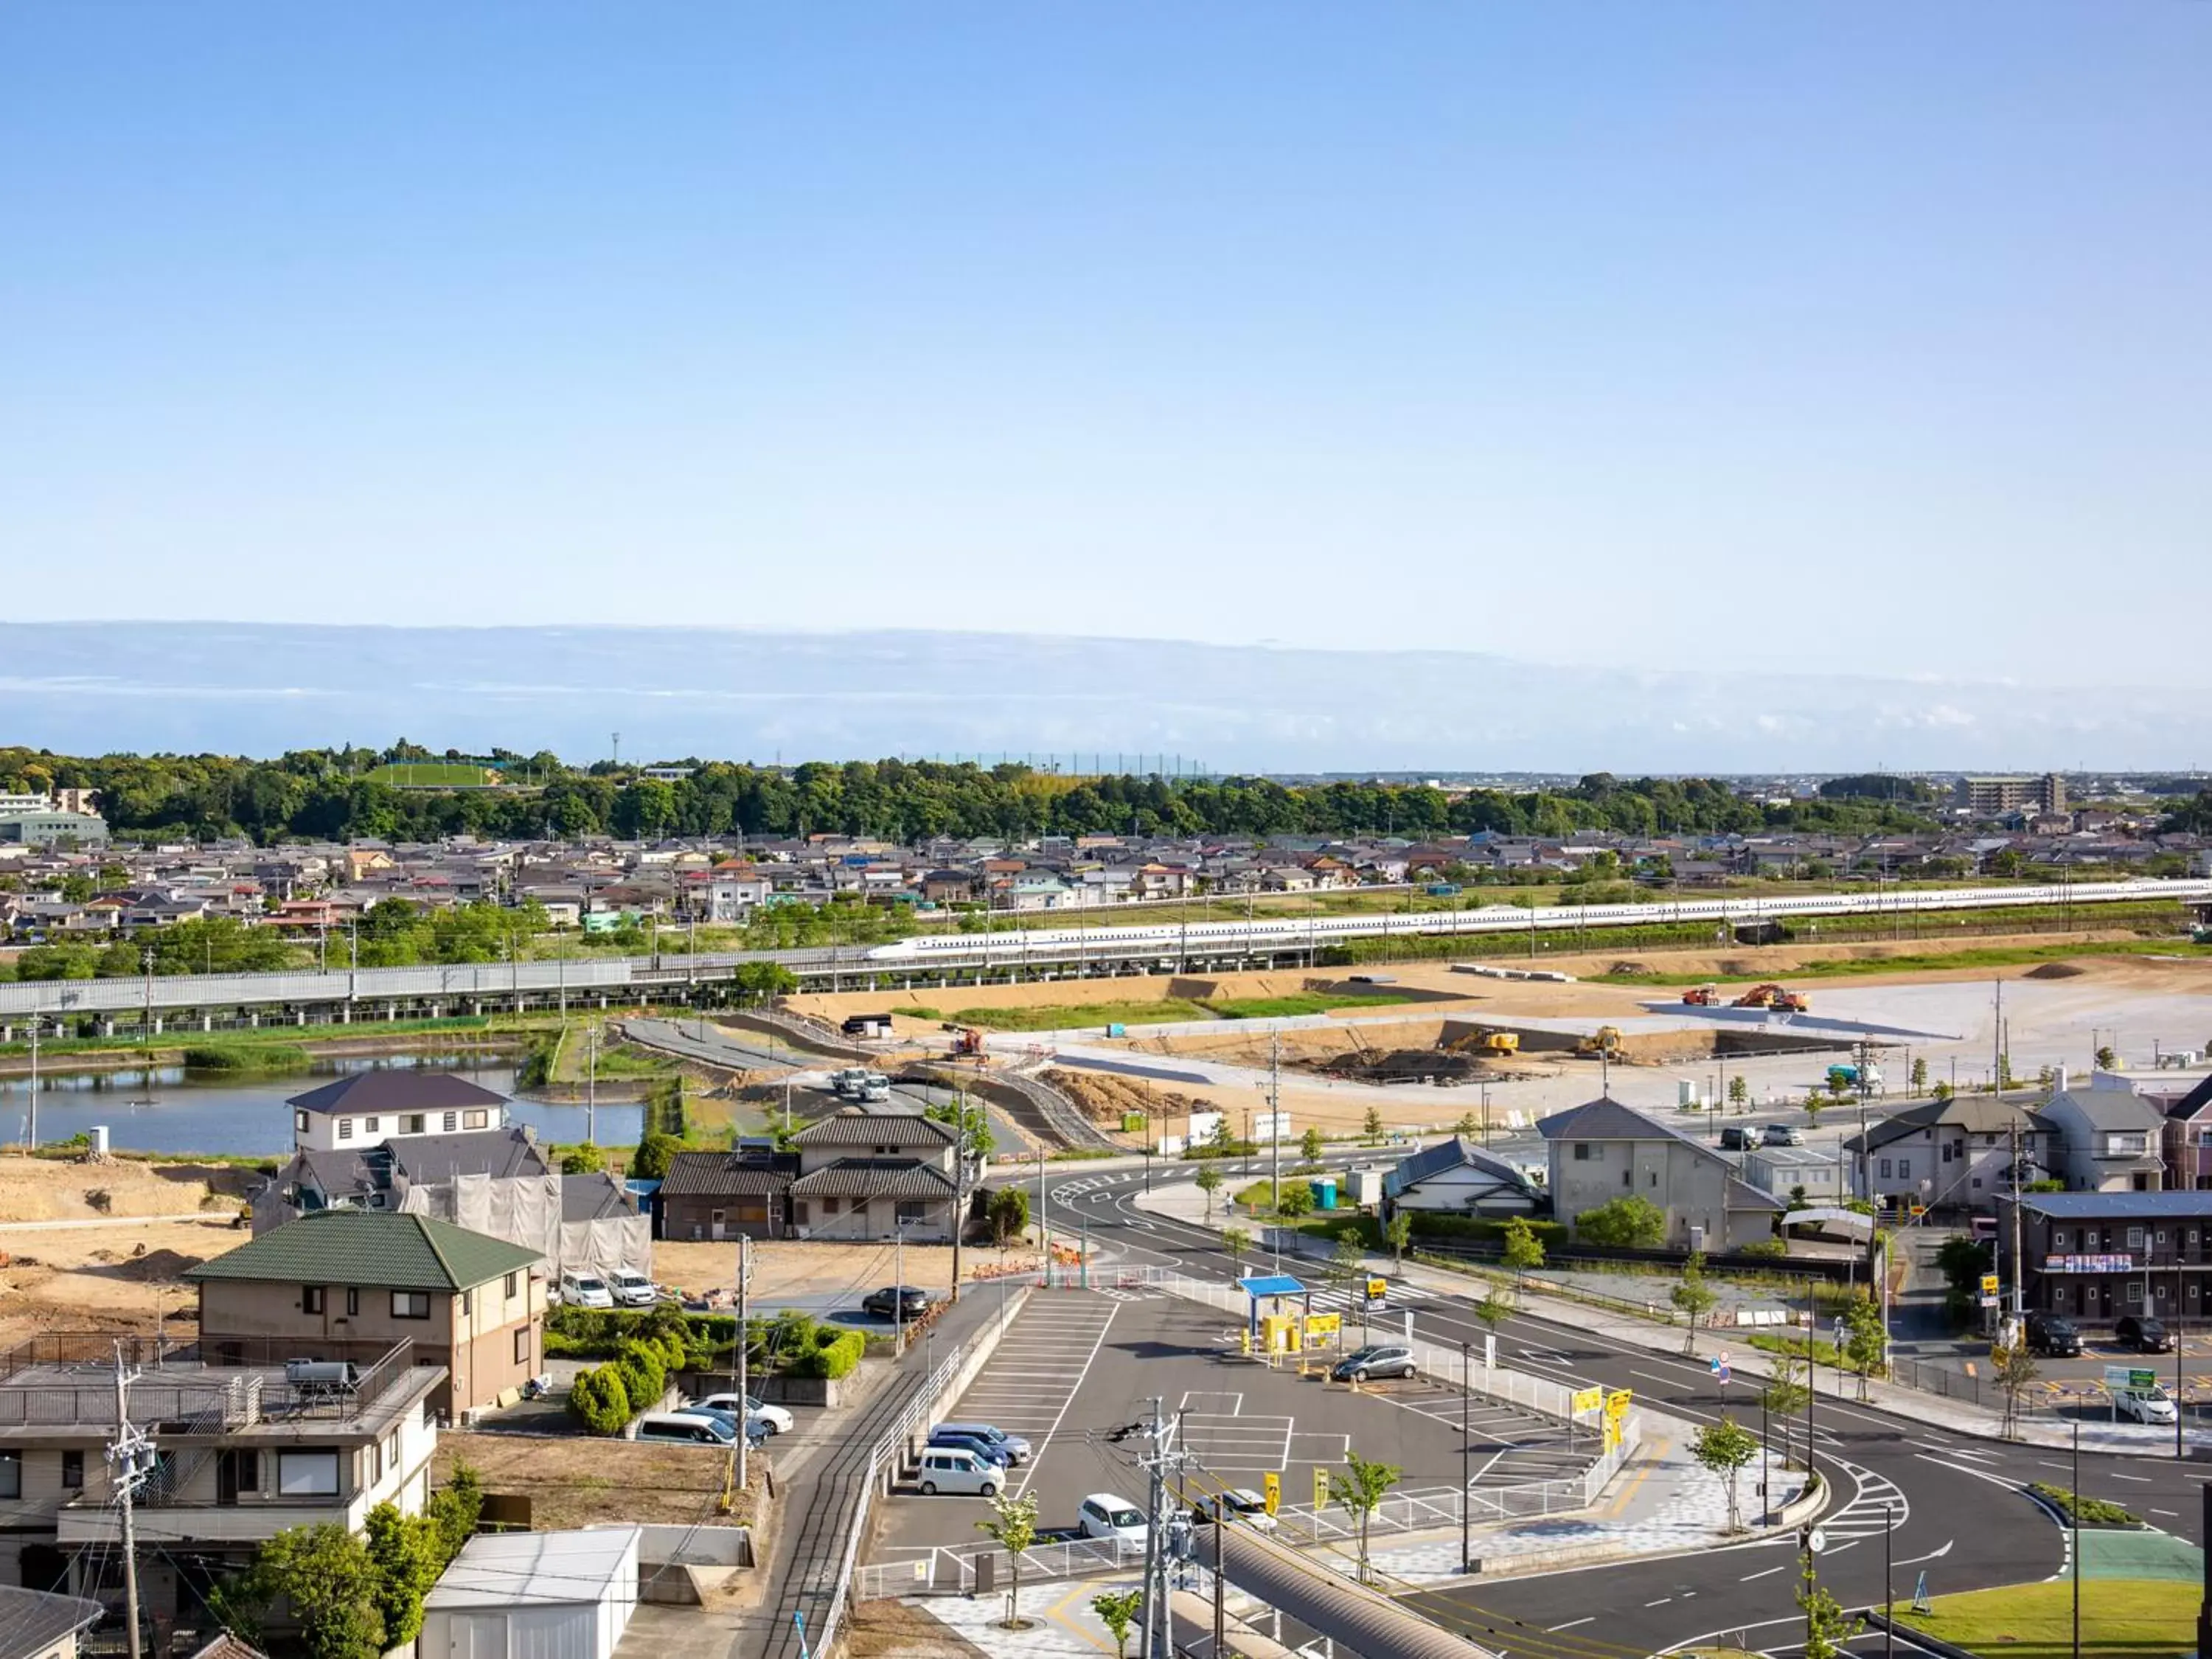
[1846,335]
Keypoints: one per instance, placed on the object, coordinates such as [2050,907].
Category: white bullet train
[1300,932]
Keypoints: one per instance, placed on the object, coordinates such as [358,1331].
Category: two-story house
[872,1175]
[2097,1257]
[717,1195]
[469,1302]
[2185,1140]
[244,1445]
[1951,1154]
[1602,1149]
[2110,1138]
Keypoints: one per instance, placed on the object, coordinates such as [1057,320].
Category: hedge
[1434,1224]
[598,1400]
[828,1353]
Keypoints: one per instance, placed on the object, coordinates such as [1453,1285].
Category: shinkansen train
[1297,932]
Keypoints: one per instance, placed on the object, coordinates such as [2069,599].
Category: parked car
[897,1301]
[773,1417]
[1102,1515]
[1241,1504]
[586,1291]
[1783,1134]
[959,1472]
[699,1428]
[2145,1405]
[631,1288]
[2144,1333]
[1738,1137]
[756,1431]
[2054,1335]
[1016,1447]
[974,1442]
[1377,1360]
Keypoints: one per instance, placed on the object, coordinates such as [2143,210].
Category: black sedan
[897,1301]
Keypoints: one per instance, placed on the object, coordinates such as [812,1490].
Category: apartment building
[242,1449]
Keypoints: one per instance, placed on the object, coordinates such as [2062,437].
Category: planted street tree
[1467,1125]
[1865,1344]
[1738,1092]
[1008,1214]
[1209,1183]
[1236,1241]
[1371,1126]
[1523,1251]
[1013,1525]
[1693,1296]
[1919,1073]
[1118,1610]
[1492,1312]
[1828,1630]
[1293,1199]
[1399,1235]
[2016,1372]
[1361,1488]
[1724,1448]
[1785,1395]
[1309,1145]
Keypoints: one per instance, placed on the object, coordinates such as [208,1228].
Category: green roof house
[336,1279]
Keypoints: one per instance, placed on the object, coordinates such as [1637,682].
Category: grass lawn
[2121,1618]
[1301,1002]
[430,774]
[1059,1015]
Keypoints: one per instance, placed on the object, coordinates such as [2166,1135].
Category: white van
[679,1425]
[586,1291]
[1102,1514]
[950,1469]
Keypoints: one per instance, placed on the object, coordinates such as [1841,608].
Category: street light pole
[1465,1452]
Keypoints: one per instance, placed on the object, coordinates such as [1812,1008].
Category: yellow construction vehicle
[1503,1044]
[1606,1040]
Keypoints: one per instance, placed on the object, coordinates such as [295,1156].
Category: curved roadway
[1960,1517]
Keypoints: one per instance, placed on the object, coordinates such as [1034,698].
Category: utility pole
[1275,1138]
[745,1417]
[959,1182]
[1996,1046]
[1044,1220]
[592,1086]
[2016,1272]
[35,1017]
[132,1456]
[898,1292]
[1465,1452]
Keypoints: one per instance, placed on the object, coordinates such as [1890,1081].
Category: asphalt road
[1962,1518]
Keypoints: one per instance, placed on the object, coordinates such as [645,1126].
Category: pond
[168,1110]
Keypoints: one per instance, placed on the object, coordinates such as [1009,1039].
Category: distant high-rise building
[1995,797]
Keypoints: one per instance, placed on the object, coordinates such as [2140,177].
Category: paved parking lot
[1078,1366]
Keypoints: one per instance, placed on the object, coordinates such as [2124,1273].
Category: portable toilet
[1324,1192]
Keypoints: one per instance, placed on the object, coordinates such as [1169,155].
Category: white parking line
[1097,1342]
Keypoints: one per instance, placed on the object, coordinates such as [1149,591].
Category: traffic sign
[1815,1540]
[1988,1283]
[1586,1400]
[1378,1292]
[1272,1485]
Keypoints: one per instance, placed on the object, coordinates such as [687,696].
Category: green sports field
[432,775]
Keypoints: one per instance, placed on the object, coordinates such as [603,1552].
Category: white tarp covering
[526,1210]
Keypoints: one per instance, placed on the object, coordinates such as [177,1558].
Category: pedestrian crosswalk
[1341,1299]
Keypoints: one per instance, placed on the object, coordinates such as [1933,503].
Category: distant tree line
[327,794]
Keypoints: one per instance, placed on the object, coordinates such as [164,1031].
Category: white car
[632,1289]
[774,1418]
[586,1291]
[961,1474]
[1102,1514]
[2148,1405]
[1244,1506]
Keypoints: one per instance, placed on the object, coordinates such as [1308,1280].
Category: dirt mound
[1629,969]
[2056,970]
[158,1267]
[1108,1098]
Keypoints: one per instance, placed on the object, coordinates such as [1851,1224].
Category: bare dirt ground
[57,1189]
[785,1271]
[891,1630]
[1106,1097]
[575,1482]
[106,1279]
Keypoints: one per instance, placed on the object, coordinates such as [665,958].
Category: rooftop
[383,1248]
[2120,1207]
[31,1621]
[391,1090]
[539,1568]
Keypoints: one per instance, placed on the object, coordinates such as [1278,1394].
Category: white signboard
[1269,1127]
[1204,1126]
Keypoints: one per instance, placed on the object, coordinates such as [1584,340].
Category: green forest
[329,794]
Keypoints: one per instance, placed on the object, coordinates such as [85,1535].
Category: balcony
[250,1520]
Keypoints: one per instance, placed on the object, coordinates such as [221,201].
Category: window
[73,1470]
[375,1462]
[345,1128]
[2135,1293]
[353,1301]
[1582,1151]
[1651,1177]
[391,1450]
[512,1280]
[1885,1169]
[411,1124]
[522,1345]
[369,1126]
[468,1302]
[1904,1169]
[248,1464]
[11,1473]
[912,1210]
[308,1473]
[475,1120]
[300,1122]
[1628,1177]
[311,1298]
[829,1207]
[2135,1238]
[452,1121]
[411,1304]
[2058,1241]
[1948,1149]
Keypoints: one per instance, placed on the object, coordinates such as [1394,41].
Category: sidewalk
[1184,1202]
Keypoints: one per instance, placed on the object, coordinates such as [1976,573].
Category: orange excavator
[967,1040]
[1702,996]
